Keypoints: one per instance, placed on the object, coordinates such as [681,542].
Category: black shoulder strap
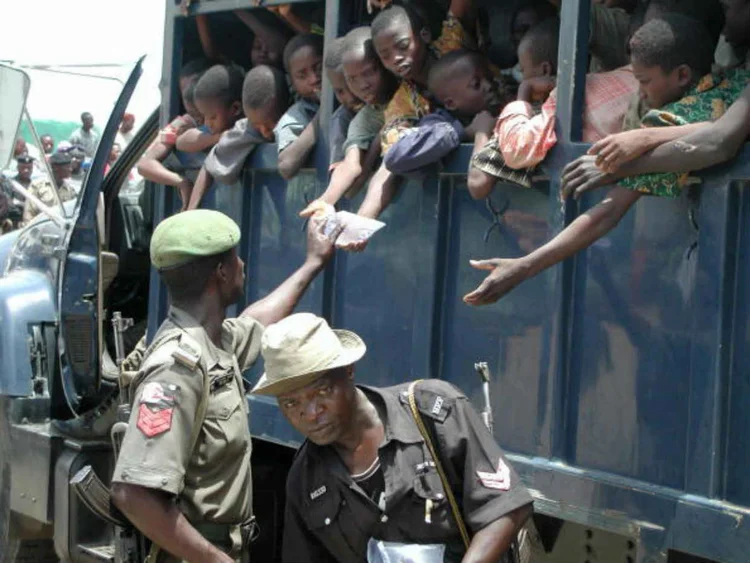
[455,509]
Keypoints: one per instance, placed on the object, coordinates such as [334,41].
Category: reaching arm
[380,192]
[204,34]
[343,177]
[150,166]
[615,150]
[478,182]
[266,33]
[298,24]
[282,301]
[195,140]
[293,157]
[489,544]
[161,521]
[704,147]
[202,183]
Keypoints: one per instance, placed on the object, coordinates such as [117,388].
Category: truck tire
[13,549]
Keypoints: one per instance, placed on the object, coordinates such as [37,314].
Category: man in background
[126,132]
[85,136]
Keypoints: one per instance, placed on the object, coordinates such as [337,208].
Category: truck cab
[58,375]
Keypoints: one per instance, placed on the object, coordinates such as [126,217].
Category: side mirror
[14,84]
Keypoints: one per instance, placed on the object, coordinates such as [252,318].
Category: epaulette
[187,353]
[431,403]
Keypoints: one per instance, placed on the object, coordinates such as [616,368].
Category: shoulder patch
[187,353]
[430,403]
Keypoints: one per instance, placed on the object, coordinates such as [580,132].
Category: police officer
[183,473]
[24,168]
[364,485]
[45,189]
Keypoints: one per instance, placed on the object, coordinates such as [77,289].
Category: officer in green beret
[183,473]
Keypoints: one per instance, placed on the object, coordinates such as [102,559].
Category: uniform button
[225,411]
[328,521]
[384,518]
[439,496]
[164,481]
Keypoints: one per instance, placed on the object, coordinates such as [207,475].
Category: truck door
[80,306]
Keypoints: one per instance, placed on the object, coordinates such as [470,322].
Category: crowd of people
[61,178]
[660,70]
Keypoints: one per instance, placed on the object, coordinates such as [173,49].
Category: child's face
[402,51]
[471,89]
[528,66]
[218,116]
[660,88]
[305,70]
[341,90]
[264,119]
[262,53]
[366,77]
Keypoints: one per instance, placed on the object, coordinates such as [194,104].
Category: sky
[85,32]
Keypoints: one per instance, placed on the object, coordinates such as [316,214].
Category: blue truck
[619,375]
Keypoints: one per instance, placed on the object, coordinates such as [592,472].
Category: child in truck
[151,166]
[372,83]
[217,96]
[471,97]
[296,131]
[671,58]
[405,46]
[537,64]
[349,104]
[265,97]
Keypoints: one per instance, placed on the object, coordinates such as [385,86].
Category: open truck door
[79,285]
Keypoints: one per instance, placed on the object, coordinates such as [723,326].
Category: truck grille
[78,331]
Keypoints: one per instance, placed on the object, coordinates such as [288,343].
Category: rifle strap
[455,509]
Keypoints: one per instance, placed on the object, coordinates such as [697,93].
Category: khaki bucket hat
[300,348]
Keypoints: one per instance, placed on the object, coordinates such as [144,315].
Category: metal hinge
[38,357]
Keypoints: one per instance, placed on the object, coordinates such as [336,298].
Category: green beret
[181,238]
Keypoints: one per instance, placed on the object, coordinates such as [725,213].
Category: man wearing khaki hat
[183,473]
[365,486]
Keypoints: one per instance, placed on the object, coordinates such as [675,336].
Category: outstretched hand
[613,151]
[320,245]
[317,208]
[583,175]
[505,274]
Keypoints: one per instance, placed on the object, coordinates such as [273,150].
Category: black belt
[221,534]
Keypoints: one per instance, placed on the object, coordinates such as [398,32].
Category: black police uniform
[330,517]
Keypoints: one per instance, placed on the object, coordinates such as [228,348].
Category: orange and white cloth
[525,138]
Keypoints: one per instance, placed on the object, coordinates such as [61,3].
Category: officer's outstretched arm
[159,519]
[489,544]
[282,301]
